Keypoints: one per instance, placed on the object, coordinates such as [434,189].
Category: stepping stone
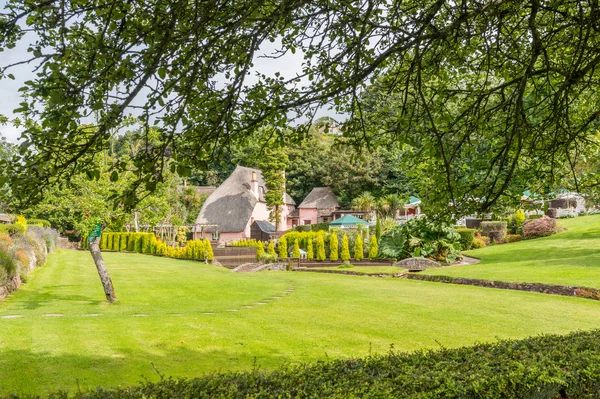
[233,310]
[260,303]
[248,307]
[277,297]
[12,316]
[208,313]
[93,315]
[53,315]
[139,315]
[175,314]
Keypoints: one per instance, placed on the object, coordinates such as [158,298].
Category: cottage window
[307,221]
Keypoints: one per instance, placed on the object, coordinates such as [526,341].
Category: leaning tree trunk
[109,290]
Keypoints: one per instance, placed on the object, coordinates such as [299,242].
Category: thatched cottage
[318,206]
[230,211]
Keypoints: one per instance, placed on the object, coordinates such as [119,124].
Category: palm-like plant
[364,203]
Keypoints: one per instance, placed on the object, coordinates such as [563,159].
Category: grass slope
[161,319]
[571,257]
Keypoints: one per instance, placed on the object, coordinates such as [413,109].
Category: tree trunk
[109,290]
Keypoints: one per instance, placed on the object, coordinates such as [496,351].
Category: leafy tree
[333,247]
[373,248]
[345,255]
[359,251]
[320,248]
[273,164]
[519,217]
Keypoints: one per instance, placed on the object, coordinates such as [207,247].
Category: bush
[345,256]
[271,248]
[7,264]
[512,238]
[267,258]
[359,252]
[478,242]
[334,247]
[373,248]
[540,227]
[282,247]
[12,229]
[38,222]
[320,248]
[466,238]
[296,250]
[493,227]
[519,217]
[310,255]
[548,366]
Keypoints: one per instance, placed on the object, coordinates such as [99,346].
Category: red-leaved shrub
[540,227]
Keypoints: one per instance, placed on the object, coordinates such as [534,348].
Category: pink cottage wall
[311,214]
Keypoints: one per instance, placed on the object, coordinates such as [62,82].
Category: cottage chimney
[254,185]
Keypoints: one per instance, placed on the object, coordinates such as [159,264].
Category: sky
[288,65]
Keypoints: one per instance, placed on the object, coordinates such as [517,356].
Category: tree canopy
[504,84]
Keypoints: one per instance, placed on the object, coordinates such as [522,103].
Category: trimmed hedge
[549,366]
[323,226]
[466,238]
[493,227]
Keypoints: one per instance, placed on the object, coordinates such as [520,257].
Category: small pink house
[318,206]
[235,205]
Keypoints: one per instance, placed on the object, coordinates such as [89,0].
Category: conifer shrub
[104,241]
[333,247]
[345,255]
[271,248]
[123,241]
[296,250]
[466,238]
[282,248]
[131,242]
[310,255]
[208,251]
[359,252]
[320,248]
[373,248]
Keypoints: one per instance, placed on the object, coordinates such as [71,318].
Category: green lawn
[364,269]
[188,318]
[569,258]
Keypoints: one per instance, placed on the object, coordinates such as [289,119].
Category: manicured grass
[365,269]
[571,257]
[160,320]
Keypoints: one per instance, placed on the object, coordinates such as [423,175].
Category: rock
[416,264]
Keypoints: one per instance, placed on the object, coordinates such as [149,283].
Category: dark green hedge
[323,226]
[541,367]
[466,238]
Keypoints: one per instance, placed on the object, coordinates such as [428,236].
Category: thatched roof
[320,198]
[230,206]
[288,200]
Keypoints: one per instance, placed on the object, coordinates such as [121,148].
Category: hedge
[38,222]
[323,226]
[549,366]
[493,227]
[466,238]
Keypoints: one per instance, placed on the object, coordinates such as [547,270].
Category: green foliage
[273,163]
[12,229]
[7,264]
[466,238]
[310,254]
[323,226]
[305,236]
[373,248]
[359,251]
[519,217]
[320,248]
[512,238]
[345,255]
[267,258]
[296,250]
[104,241]
[38,222]
[282,247]
[421,237]
[378,229]
[271,248]
[478,242]
[123,241]
[259,245]
[333,247]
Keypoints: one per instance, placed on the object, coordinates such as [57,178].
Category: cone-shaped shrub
[333,247]
[115,241]
[310,254]
[209,254]
[260,249]
[103,241]
[296,250]
[378,229]
[123,240]
[109,241]
[131,242]
[138,242]
[345,255]
[282,247]
[271,248]
[359,251]
[320,248]
[373,248]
